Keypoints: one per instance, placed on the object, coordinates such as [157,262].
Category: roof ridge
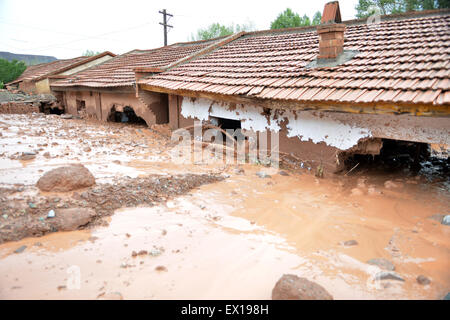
[394,16]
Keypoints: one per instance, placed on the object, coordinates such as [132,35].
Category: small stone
[350,243]
[5,216]
[283,173]
[382,263]
[292,287]
[66,116]
[161,269]
[51,214]
[446,220]
[423,280]
[388,275]
[20,249]
[32,205]
[155,252]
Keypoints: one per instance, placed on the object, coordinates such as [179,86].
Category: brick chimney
[331,32]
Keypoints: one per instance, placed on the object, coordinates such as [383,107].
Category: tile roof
[43,70]
[404,60]
[119,71]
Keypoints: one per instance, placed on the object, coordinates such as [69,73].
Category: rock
[283,173]
[66,116]
[239,171]
[87,149]
[382,263]
[350,243]
[423,280]
[66,178]
[161,268]
[20,249]
[388,275]
[26,157]
[51,214]
[446,220]
[291,287]
[262,174]
[47,155]
[32,205]
[72,218]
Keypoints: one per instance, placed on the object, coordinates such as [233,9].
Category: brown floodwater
[232,239]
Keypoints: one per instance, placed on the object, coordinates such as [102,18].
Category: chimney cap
[331,13]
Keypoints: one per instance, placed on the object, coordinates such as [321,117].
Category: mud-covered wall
[314,135]
[152,107]
[27,86]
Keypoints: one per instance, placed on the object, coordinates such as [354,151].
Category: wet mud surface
[230,235]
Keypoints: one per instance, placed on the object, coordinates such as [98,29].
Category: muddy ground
[208,231]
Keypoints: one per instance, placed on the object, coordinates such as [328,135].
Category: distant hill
[29,59]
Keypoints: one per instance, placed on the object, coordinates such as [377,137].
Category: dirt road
[227,239]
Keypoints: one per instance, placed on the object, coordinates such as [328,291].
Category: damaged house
[329,92]
[36,79]
[107,91]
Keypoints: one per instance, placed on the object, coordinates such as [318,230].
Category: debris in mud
[292,287]
[388,275]
[349,243]
[66,178]
[382,263]
[139,253]
[262,174]
[20,249]
[161,269]
[421,279]
[90,206]
[71,219]
[446,220]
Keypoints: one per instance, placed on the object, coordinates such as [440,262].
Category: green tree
[11,70]
[218,30]
[366,8]
[316,18]
[291,19]
[90,53]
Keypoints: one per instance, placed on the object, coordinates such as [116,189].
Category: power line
[85,38]
[164,24]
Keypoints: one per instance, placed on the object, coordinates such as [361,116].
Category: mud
[230,238]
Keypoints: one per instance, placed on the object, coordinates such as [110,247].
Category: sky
[66,29]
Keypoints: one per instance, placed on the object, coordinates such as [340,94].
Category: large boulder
[291,287]
[71,219]
[67,178]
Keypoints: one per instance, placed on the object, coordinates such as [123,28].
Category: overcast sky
[65,29]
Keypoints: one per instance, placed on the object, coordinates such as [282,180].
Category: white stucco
[305,125]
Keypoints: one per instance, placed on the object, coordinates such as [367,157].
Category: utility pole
[164,24]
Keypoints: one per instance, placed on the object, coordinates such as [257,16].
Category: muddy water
[235,238]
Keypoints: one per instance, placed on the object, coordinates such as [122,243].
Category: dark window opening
[127,116]
[397,155]
[230,124]
[81,105]
[52,108]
